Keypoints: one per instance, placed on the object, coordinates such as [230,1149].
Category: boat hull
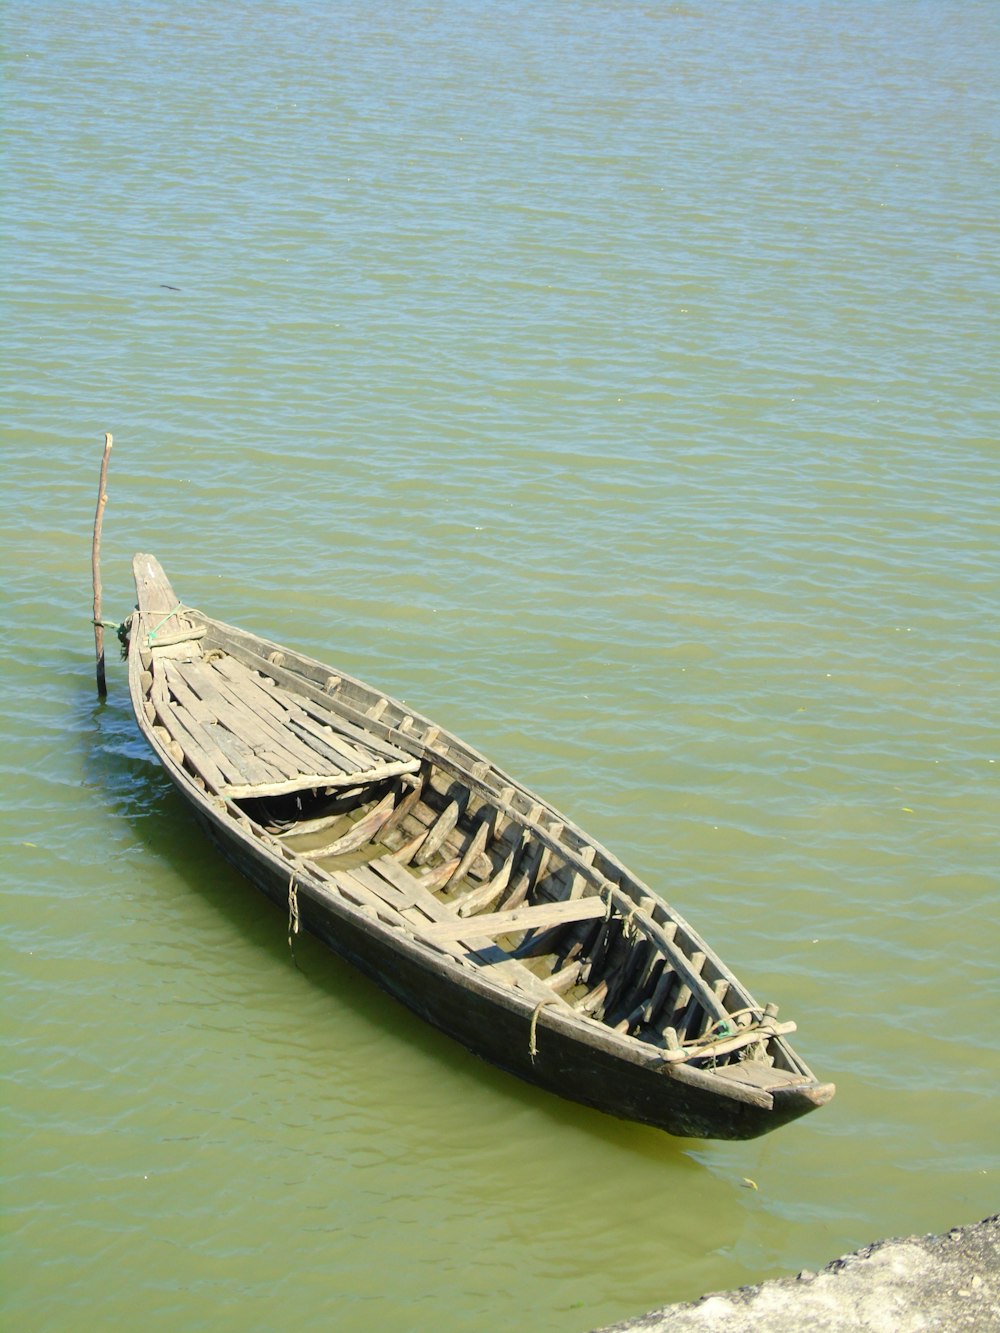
[504,1033]
[454,888]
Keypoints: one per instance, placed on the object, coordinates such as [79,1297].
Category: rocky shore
[948,1282]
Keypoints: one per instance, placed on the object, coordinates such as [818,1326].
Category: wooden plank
[490,890]
[262,735]
[441,827]
[592,1001]
[189,712]
[305,731]
[542,869]
[687,997]
[434,879]
[565,978]
[249,683]
[577,881]
[323,707]
[400,880]
[249,689]
[403,808]
[490,925]
[384,876]
[336,807]
[282,787]
[254,771]
[232,729]
[187,733]
[295,755]
[312,764]
[758,1074]
[361,831]
[726,1045]
[182,692]
[236,759]
[475,844]
[339,753]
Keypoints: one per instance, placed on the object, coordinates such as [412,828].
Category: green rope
[121,629]
[153,632]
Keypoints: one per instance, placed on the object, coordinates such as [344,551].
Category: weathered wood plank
[254,771]
[192,714]
[323,707]
[234,729]
[592,1001]
[294,755]
[385,876]
[342,756]
[244,764]
[565,978]
[578,882]
[434,879]
[273,704]
[260,734]
[361,831]
[403,808]
[440,829]
[475,844]
[189,737]
[489,891]
[267,763]
[490,925]
[726,1045]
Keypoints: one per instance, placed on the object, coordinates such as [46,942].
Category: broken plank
[361,831]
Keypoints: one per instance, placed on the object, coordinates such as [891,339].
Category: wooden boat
[463,894]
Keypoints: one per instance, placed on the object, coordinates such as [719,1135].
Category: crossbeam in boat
[491,925]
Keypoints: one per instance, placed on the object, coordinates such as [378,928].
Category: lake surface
[616,382]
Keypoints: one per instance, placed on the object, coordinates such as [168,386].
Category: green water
[616,383]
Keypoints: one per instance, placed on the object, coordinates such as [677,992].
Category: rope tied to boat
[156,628]
[532,1043]
[121,629]
[629,928]
[727,1027]
[293,915]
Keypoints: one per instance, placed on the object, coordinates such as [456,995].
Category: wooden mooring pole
[95,563]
